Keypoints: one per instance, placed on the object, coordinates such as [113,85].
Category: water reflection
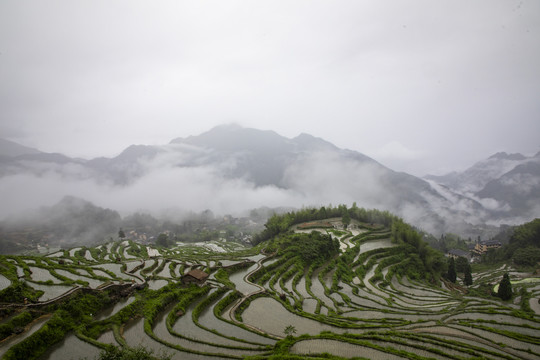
[114,309]
[71,348]
[15,339]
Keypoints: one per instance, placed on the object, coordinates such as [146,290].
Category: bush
[17,292]
[139,353]
[19,321]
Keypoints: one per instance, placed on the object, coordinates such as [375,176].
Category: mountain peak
[219,130]
[233,137]
[310,141]
[136,151]
[505,156]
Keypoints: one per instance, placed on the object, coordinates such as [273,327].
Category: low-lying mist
[182,178]
[318,179]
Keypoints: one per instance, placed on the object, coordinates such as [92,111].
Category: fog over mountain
[231,169]
[508,185]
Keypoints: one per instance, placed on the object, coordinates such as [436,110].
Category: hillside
[362,282]
[478,175]
[256,168]
[70,221]
[507,185]
[523,246]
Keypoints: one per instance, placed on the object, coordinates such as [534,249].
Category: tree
[505,288]
[451,275]
[121,234]
[346,219]
[468,275]
[162,240]
[461,264]
[289,330]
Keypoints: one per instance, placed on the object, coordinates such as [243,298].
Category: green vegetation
[289,330]
[16,323]
[505,288]
[222,276]
[17,292]
[451,274]
[461,264]
[139,353]
[67,316]
[528,256]
[523,247]
[314,247]
[315,288]
[467,279]
[163,240]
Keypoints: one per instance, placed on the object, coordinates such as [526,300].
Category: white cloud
[395,150]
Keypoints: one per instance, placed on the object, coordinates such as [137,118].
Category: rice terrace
[319,283]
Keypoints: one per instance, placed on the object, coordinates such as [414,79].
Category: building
[194,276]
[482,247]
[455,253]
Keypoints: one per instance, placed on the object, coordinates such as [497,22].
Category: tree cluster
[432,260]
[313,247]
[277,224]
[522,248]
[428,262]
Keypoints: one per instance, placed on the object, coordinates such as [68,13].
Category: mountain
[17,159]
[477,176]
[309,164]
[70,221]
[10,149]
[231,168]
[508,185]
[262,157]
[518,190]
[258,156]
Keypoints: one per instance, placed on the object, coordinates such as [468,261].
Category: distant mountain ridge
[510,182]
[506,156]
[10,149]
[477,176]
[70,221]
[307,170]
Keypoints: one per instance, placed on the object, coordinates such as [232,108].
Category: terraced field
[354,304]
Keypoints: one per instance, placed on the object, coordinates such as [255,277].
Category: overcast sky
[421,86]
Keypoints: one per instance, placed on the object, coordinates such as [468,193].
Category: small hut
[195,276]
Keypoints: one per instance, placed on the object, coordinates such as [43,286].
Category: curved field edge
[371,284]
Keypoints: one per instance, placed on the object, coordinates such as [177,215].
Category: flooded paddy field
[341,349]
[50,291]
[17,338]
[271,317]
[110,311]
[4,282]
[362,306]
[71,348]
[156,284]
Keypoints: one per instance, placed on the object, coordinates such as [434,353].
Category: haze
[421,86]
